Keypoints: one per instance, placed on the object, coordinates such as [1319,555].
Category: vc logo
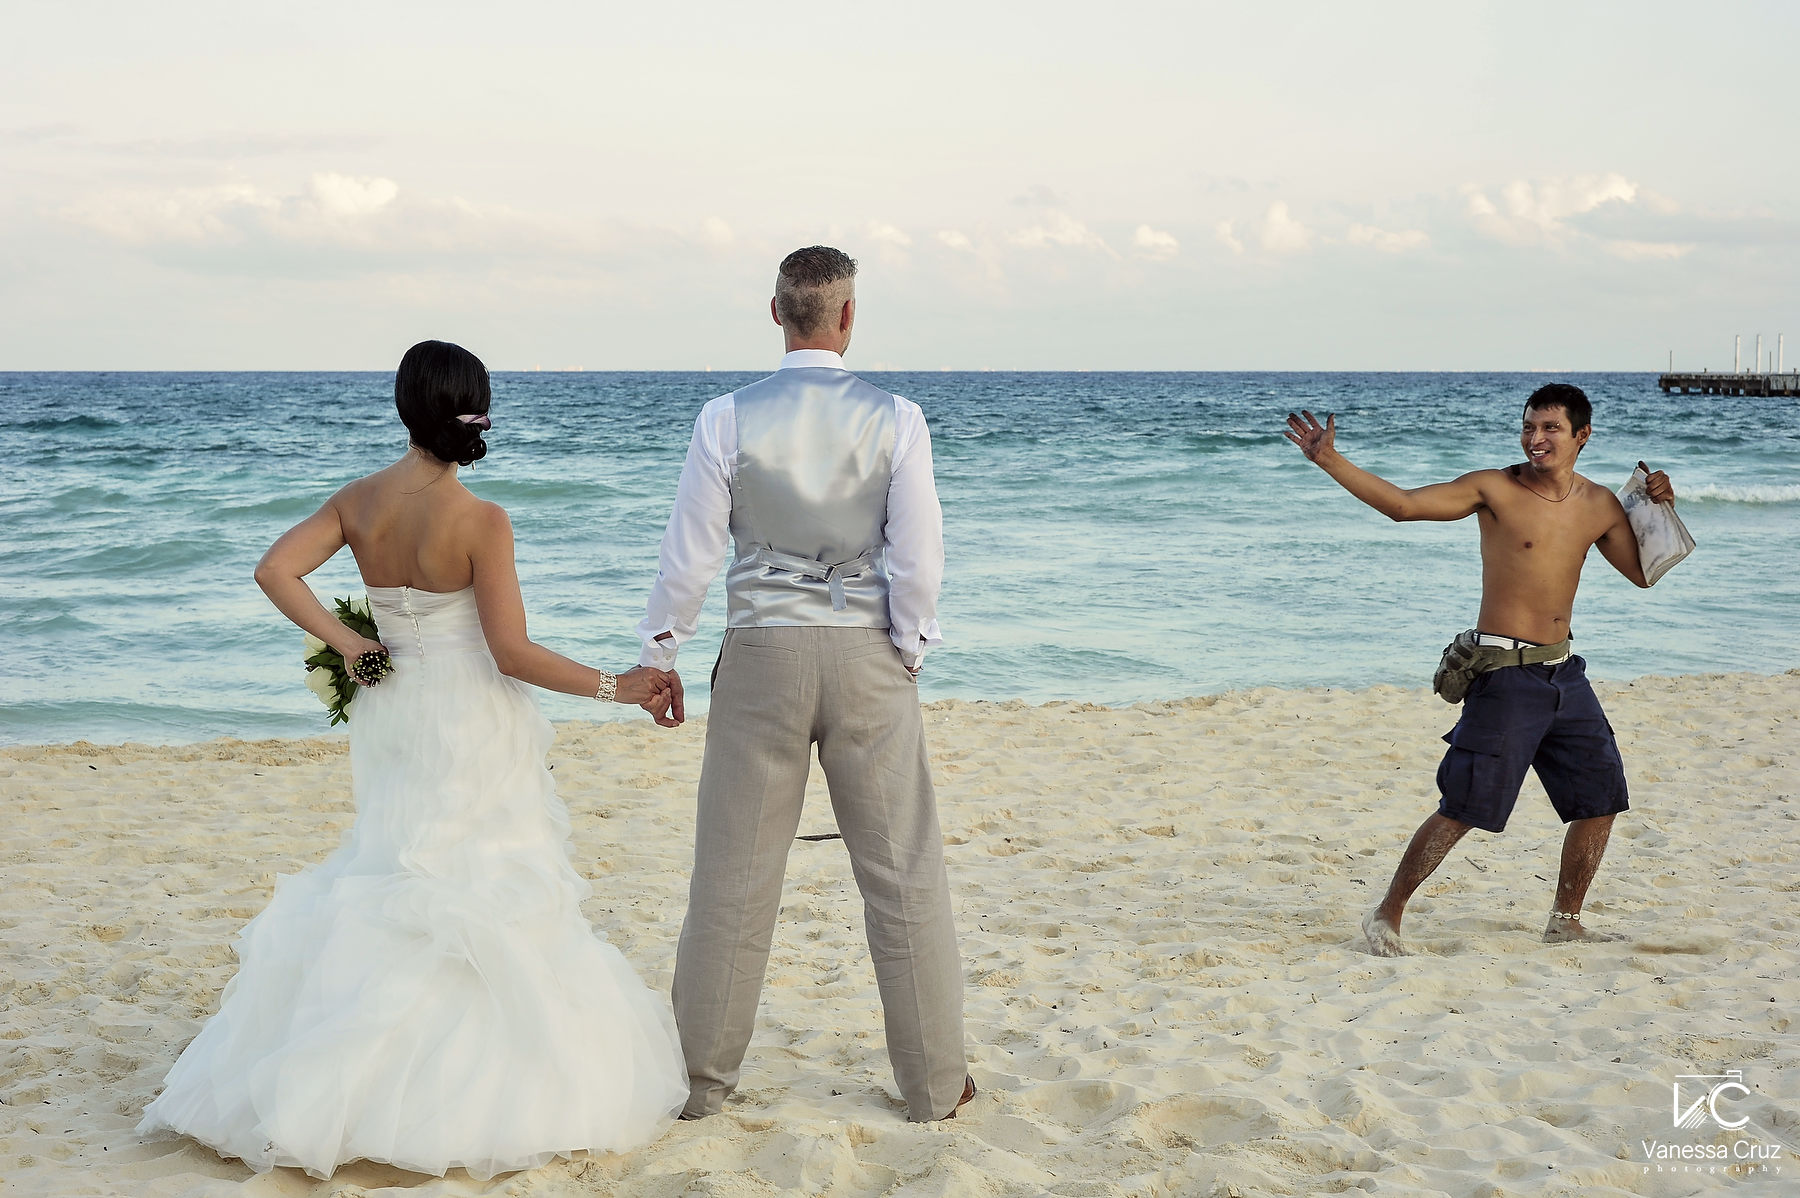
[1710,1088]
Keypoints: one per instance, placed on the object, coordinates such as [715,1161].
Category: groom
[824,484]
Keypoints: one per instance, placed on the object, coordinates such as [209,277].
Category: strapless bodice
[417,623]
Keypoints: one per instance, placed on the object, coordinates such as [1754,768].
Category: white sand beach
[1167,992]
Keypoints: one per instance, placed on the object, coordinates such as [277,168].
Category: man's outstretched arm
[1439,501]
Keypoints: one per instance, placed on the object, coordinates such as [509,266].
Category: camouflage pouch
[1457,667]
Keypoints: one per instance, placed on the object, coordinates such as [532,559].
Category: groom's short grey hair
[812,288]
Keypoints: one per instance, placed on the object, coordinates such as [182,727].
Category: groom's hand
[657,692]
[676,711]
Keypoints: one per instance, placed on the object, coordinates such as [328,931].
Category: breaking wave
[1753,493]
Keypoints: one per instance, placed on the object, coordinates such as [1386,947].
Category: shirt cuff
[659,654]
[914,642]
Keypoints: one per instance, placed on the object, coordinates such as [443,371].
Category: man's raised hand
[1313,438]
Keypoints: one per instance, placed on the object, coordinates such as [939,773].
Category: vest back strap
[832,573]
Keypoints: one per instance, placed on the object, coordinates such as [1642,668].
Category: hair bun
[454,441]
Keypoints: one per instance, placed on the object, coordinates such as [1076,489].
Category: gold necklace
[1541,495]
[437,478]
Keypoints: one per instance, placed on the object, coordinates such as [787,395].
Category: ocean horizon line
[882,368]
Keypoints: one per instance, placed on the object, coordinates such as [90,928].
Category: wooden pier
[1707,383]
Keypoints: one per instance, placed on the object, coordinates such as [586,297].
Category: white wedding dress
[430,996]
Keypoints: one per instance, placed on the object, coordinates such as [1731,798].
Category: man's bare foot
[1383,937]
[1561,930]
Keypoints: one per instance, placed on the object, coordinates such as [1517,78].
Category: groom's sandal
[968,1094]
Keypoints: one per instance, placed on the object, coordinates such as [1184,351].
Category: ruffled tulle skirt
[430,996]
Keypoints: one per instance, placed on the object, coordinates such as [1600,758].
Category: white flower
[361,607]
[313,644]
[321,683]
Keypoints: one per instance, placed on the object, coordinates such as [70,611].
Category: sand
[1167,991]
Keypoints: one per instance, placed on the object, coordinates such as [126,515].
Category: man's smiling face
[1548,441]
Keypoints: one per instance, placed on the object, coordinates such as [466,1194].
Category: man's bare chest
[1526,525]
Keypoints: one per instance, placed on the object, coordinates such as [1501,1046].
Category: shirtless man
[1538,519]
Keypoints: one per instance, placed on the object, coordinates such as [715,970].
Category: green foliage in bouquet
[327,676]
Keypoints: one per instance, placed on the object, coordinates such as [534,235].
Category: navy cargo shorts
[1540,717]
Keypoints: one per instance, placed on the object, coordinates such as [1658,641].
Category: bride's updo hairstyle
[436,383]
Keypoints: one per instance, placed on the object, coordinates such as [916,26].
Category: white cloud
[343,195]
[1155,243]
[1223,232]
[189,215]
[714,231]
[1639,251]
[955,240]
[1388,242]
[1606,211]
[336,225]
[887,234]
[1058,229]
[332,208]
[1281,233]
[1538,213]
[1038,196]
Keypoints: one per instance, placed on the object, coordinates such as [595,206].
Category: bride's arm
[282,575]
[502,610]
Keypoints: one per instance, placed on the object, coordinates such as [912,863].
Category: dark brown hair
[1569,398]
[436,383]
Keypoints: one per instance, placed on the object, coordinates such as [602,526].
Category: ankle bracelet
[1574,915]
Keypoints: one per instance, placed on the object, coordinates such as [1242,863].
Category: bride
[430,996]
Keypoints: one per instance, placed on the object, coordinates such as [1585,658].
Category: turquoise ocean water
[1111,537]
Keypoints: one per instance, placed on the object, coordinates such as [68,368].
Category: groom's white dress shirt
[698,537]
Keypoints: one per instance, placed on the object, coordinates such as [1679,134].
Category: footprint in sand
[1081,1103]
[1204,1121]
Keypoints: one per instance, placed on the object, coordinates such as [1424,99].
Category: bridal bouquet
[327,674]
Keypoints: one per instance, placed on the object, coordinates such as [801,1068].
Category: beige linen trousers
[777,691]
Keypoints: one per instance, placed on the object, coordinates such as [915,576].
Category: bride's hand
[355,648]
[651,689]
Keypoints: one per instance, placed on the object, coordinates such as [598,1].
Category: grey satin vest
[809,501]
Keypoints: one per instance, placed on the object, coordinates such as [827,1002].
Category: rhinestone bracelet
[608,689]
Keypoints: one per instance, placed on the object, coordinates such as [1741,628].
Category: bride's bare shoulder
[484,518]
[382,481]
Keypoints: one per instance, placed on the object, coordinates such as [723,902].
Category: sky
[1048,186]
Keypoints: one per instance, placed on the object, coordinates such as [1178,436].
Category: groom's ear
[774,314]
[847,317]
